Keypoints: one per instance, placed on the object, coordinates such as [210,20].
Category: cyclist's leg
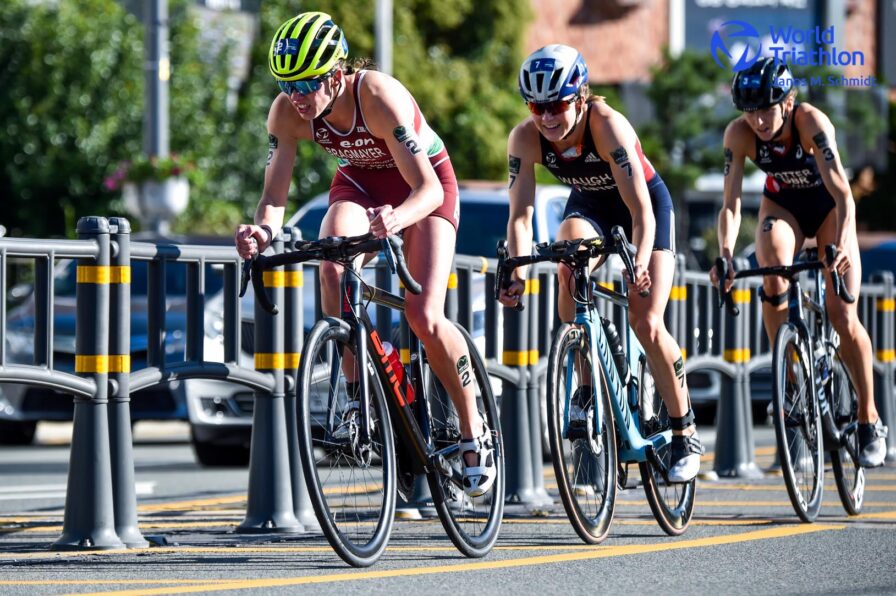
[575,226]
[778,239]
[429,246]
[343,218]
[855,345]
[667,365]
[662,351]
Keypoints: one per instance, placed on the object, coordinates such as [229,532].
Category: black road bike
[397,424]
[815,407]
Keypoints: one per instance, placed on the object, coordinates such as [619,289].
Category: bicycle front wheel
[672,503]
[472,523]
[351,480]
[797,422]
[849,476]
[583,453]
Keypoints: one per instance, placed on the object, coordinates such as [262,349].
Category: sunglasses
[303,86]
[550,107]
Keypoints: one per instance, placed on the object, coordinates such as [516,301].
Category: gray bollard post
[89,521]
[270,505]
[534,395]
[294,338]
[885,352]
[120,439]
[515,410]
[734,450]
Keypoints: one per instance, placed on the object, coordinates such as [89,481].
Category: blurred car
[23,406]
[221,412]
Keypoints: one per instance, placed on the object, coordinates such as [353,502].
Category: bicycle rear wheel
[849,476]
[471,523]
[585,459]
[672,503]
[351,482]
[797,422]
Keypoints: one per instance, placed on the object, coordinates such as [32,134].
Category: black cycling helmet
[765,83]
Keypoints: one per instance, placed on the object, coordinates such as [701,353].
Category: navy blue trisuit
[595,197]
[793,181]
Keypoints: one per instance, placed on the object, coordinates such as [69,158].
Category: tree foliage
[72,106]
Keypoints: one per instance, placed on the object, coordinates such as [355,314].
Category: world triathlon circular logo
[736,37]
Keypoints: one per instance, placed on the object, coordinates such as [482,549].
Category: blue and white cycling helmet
[552,73]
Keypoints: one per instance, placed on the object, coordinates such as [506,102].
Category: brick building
[622,39]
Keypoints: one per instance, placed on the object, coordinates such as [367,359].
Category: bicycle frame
[798,303]
[414,428]
[633,446]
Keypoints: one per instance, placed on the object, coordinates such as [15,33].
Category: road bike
[814,403]
[384,423]
[626,422]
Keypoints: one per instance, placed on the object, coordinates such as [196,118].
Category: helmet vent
[555,78]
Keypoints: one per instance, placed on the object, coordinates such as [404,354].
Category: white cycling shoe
[480,478]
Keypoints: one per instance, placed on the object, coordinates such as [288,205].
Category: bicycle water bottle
[398,368]
[616,349]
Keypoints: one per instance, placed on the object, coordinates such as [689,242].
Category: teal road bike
[625,420]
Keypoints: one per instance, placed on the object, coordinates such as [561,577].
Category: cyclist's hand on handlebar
[841,262]
[250,240]
[510,296]
[384,221]
[642,282]
[714,275]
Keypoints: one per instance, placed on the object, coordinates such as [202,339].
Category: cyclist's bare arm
[285,129]
[388,110]
[816,128]
[736,144]
[616,143]
[523,152]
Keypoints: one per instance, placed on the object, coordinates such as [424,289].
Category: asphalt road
[744,539]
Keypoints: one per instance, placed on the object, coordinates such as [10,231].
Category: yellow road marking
[886,515]
[191,503]
[577,555]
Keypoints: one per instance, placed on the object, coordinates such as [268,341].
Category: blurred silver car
[23,406]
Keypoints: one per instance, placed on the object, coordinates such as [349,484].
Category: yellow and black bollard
[270,506]
[89,521]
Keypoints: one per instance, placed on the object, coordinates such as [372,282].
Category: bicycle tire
[849,476]
[345,508]
[672,503]
[797,422]
[586,477]
[472,524]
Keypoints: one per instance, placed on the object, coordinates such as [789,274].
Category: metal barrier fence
[100,509]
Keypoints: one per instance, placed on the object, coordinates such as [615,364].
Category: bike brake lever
[725,298]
